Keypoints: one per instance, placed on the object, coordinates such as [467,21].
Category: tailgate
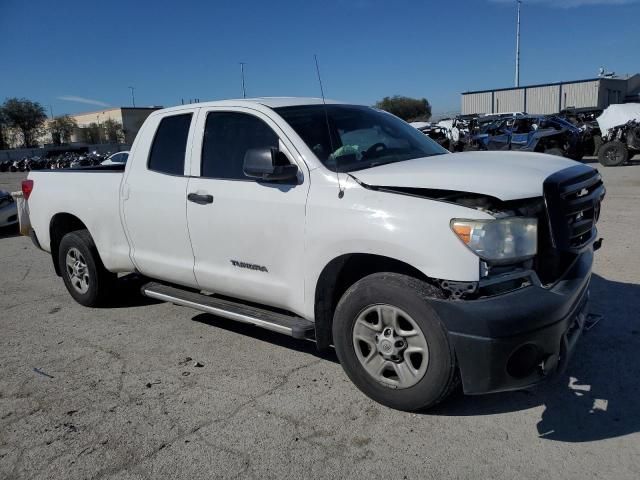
[23,213]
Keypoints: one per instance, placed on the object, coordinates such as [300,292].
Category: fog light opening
[524,361]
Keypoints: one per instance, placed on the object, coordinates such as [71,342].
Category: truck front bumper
[521,338]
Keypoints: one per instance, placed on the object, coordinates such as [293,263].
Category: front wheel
[392,344]
[84,275]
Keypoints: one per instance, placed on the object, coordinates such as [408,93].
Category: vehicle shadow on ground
[597,398]
[266,336]
[128,294]
[9,232]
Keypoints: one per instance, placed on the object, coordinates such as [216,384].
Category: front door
[247,235]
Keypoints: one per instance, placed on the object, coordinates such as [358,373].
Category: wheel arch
[61,224]
[342,272]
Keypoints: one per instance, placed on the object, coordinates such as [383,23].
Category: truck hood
[503,175]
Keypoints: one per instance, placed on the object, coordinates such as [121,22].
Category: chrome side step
[293,326]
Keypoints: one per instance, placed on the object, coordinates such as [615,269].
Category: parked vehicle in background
[620,126]
[451,134]
[8,210]
[531,133]
[437,133]
[118,158]
[343,224]
[585,120]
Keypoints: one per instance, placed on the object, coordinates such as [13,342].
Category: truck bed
[91,195]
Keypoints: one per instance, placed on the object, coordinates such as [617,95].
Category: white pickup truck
[343,225]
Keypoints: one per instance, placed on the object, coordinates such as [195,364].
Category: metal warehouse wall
[543,99]
[612,90]
[580,95]
[476,103]
[508,101]
[552,98]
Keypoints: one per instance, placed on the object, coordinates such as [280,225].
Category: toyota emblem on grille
[582,193]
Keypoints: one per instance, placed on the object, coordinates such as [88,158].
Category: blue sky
[81,55]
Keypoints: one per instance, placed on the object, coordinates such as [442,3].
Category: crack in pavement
[133,463]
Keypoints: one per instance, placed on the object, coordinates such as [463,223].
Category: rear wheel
[392,344]
[613,154]
[84,275]
[597,143]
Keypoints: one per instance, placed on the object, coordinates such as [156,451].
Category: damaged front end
[519,324]
[566,226]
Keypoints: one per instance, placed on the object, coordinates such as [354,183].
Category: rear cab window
[167,154]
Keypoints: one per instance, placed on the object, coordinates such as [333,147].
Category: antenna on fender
[326,117]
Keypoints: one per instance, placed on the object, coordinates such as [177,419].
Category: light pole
[99,129]
[244,92]
[519,2]
[133,98]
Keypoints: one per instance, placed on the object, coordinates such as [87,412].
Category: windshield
[361,137]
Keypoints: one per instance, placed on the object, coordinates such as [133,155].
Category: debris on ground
[150,384]
[198,364]
[37,370]
[185,361]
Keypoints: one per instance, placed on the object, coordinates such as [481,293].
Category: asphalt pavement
[152,390]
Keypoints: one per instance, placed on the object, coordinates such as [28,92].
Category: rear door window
[170,145]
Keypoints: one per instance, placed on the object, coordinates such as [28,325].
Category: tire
[613,154]
[555,151]
[597,143]
[363,302]
[86,279]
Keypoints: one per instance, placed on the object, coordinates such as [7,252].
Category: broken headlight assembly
[501,240]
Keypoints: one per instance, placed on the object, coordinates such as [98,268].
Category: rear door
[154,197]
[247,235]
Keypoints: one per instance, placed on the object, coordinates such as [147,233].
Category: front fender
[406,228]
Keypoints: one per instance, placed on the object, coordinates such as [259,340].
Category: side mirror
[266,164]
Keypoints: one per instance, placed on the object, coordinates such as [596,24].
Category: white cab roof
[271,102]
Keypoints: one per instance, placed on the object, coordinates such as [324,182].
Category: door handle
[200,199]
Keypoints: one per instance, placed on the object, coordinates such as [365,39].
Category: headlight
[499,240]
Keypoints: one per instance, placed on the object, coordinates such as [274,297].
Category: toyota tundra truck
[343,225]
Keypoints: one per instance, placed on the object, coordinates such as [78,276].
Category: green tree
[92,133]
[409,109]
[4,127]
[25,116]
[113,131]
[61,129]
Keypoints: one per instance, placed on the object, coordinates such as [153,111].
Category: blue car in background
[531,133]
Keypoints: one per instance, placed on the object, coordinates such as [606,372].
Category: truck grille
[572,197]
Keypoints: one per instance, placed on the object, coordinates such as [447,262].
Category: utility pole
[133,98]
[519,2]
[244,92]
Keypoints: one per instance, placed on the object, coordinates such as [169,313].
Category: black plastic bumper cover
[485,333]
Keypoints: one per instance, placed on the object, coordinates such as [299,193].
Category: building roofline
[544,85]
[111,109]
